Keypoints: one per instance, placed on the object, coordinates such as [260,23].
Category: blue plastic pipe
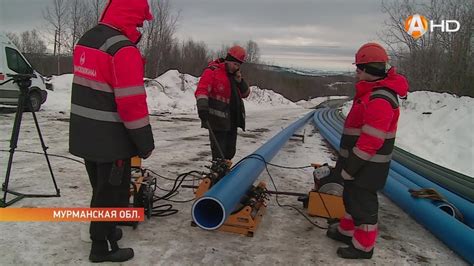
[331,136]
[212,209]
[456,235]
[411,185]
[463,205]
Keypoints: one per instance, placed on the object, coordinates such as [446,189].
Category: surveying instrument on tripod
[24,83]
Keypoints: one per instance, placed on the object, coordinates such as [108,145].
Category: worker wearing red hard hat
[219,102]
[366,148]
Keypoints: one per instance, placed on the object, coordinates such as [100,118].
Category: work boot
[351,252]
[100,253]
[334,234]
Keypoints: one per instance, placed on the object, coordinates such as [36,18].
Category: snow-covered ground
[438,127]
[284,237]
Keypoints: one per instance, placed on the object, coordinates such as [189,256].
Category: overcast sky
[319,34]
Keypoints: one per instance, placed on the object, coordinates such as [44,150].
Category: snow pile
[60,99]
[437,127]
[264,99]
[172,92]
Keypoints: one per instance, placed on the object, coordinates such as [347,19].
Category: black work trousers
[227,141]
[106,195]
[361,203]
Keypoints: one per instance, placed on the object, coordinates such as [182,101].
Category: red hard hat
[238,53]
[371,53]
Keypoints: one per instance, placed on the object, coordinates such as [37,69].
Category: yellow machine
[325,200]
[136,162]
[249,214]
[325,205]
[137,175]
[142,187]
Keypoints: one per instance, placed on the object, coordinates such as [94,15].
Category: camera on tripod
[24,83]
[22,80]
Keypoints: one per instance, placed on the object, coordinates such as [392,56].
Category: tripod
[24,82]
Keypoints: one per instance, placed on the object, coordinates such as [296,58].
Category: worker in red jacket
[109,115]
[366,148]
[220,106]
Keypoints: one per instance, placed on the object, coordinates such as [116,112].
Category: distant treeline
[47,65]
[295,86]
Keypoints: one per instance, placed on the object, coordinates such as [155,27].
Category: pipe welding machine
[142,188]
[245,219]
[325,199]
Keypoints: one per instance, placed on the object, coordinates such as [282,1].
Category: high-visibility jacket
[214,93]
[109,113]
[369,131]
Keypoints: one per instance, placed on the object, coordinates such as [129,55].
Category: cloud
[21,15]
[296,41]
[282,28]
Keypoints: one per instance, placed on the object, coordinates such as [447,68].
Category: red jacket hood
[393,81]
[126,16]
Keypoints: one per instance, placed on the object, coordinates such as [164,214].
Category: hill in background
[297,85]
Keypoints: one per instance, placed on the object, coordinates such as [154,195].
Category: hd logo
[417,25]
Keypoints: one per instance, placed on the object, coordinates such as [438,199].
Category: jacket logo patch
[85,71]
[82,60]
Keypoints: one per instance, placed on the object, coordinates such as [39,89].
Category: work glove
[238,76]
[203,115]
